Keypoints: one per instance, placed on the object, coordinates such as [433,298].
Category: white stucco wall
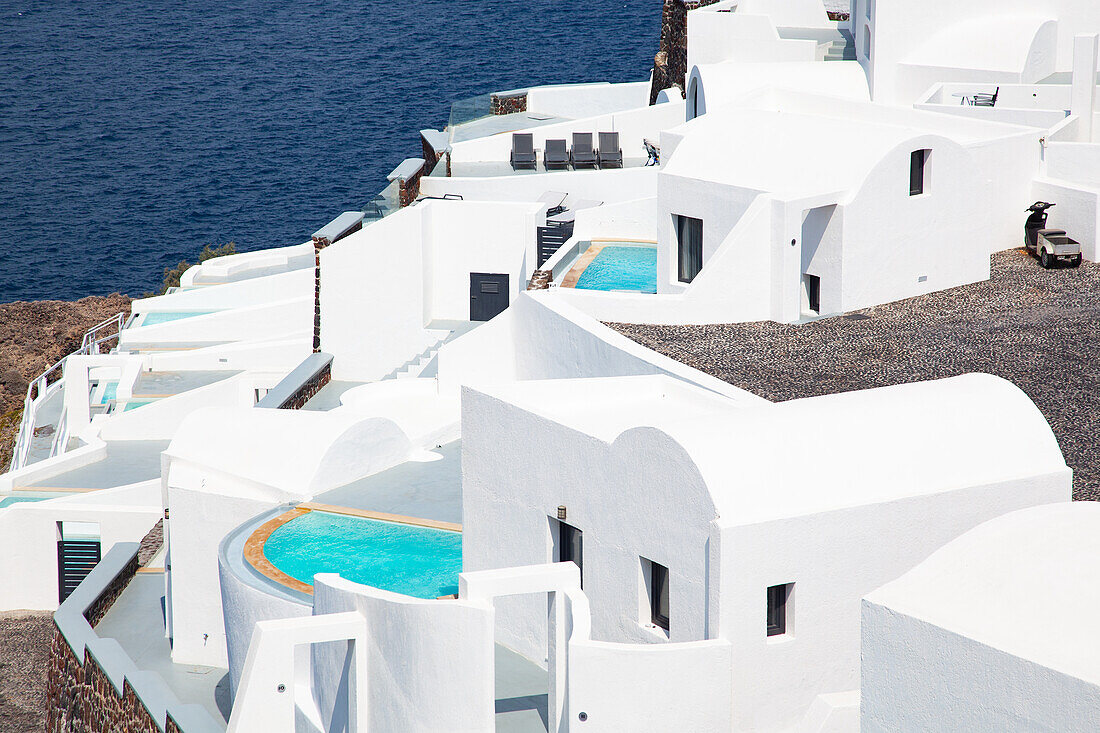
[610,186]
[896,245]
[429,662]
[381,287]
[540,337]
[585,100]
[984,633]
[1077,211]
[252,291]
[633,126]
[900,29]
[273,319]
[243,605]
[510,500]
[225,466]
[29,535]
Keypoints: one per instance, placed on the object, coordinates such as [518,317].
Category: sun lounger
[556,155]
[523,150]
[610,154]
[582,152]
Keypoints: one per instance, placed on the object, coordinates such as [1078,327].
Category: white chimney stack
[1083,92]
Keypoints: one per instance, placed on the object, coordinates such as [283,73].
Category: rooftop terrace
[1040,329]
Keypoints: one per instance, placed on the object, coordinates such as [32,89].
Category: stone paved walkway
[1040,329]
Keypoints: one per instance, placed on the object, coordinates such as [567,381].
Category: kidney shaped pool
[418,561]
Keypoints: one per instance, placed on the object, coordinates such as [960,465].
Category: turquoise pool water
[152,319]
[110,392]
[19,499]
[622,267]
[417,561]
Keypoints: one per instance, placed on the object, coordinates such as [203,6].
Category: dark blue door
[488,295]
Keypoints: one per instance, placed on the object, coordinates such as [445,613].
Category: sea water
[133,133]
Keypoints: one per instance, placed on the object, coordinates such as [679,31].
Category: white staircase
[424,364]
[842,50]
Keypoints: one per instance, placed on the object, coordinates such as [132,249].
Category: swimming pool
[17,498]
[418,561]
[621,267]
[152,319]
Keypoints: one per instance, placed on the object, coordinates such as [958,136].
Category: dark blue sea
[133,133]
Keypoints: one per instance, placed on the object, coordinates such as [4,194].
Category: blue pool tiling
[622,267]
[423,562]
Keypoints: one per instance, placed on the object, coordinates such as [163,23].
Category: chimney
[1083,92]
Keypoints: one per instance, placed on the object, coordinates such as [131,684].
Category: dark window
[777,608]
[918,165]
[569,546]
[658,594]
[813,292]
[689,234]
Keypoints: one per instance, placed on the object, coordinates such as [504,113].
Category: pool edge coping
[595,246]
[254,546]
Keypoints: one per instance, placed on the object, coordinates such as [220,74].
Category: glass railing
[382,204]
[469,109]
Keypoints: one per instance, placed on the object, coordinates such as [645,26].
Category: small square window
[778,595]
[918,172]
[570,546]
[689,237]
[656,581]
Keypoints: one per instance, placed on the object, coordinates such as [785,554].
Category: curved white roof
[296,451]
[775,151]
[723,83]
[856,448]
[1027,583]
[988,43]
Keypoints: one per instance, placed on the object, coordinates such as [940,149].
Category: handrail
[90,343]
[40,388]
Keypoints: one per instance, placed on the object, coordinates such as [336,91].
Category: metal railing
[41,388]
[38,391]
[92,339]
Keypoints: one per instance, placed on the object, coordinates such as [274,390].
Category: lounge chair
[523,151]
[582,152]
[986,100]
[556,155]
[610,154]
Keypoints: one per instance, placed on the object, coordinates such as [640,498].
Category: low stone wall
[506,104]
[308,390]
[670,63]
[80,697]
[540,280]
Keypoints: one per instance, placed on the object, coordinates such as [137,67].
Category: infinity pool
[423,562]
[17,498]
[622,267]
[152,319]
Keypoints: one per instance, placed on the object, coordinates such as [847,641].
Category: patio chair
[986,100]
[610,154]
[523,150]
[556,155]
[582,152]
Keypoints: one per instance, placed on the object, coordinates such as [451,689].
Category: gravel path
[24,653]
[1039,329]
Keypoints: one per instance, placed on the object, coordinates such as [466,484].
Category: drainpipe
[1083,91]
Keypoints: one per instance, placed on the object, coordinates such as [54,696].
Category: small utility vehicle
[1049,245]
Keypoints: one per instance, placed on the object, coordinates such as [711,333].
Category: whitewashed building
[991,632]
